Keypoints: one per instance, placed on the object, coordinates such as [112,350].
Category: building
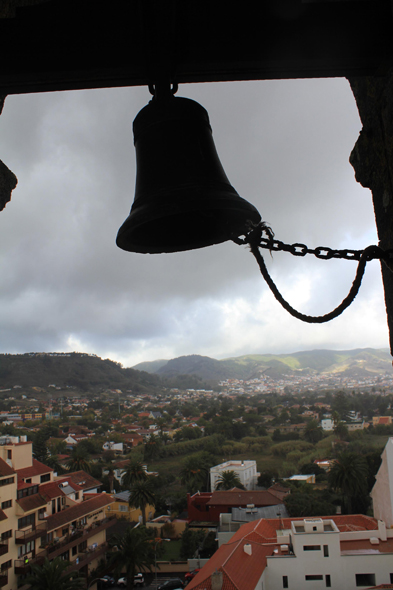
[41,516]
[245,470]
[122,509]
[382,492]
[338,552]
[205,508]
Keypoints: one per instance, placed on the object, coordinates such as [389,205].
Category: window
[26,521]
[123,508]
[328,581]
[27,492]
[326,550]
[6,504]
[313,577]
[365,579]
[64,531]
[65,556]
[53,506]
[28,480]
[6,535]
[76,495]
[82,546]
[6,565]
[391,578]
[24,549]
[7,481]
[9,454]
[311,547]
[45,478]
[74,550]
[285,581]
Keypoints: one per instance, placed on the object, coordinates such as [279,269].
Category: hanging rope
[255,240]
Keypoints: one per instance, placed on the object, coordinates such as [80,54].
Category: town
[190,473]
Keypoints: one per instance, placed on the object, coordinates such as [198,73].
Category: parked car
[107,582]
[190,575]
[172,584]
[139,580]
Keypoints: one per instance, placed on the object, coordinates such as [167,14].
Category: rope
[253,239]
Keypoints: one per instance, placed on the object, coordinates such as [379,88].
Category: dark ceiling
[73,44]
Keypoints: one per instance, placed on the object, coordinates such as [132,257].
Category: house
[204,508]
[112,446]
[122,509]
[41,517]
[338,552]
[327,424]
[245,470]
[382,492]
[382,420]
[309,478]
[85,482]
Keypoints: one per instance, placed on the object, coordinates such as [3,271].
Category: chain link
[322,252]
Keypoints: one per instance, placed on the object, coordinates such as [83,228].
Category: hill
[358,362]
[71,370]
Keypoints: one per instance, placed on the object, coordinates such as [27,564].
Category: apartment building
[41,516]
[337,552]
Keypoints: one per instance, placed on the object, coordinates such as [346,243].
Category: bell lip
[232,217]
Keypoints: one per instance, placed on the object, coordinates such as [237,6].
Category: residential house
[204,508]
[122,509]
[338,552]
[245,470]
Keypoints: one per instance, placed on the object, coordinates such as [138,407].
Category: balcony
[3,579]
[22,568]
[57,548]
[4,547]
[88,556]
[33,532]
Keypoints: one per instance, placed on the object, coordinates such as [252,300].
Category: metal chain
[255,240]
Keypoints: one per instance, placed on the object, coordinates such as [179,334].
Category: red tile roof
[36,469]
[5,469]
[32,502]
[78,511]
[238,497]
[84,480]
[242,571]
[52,489]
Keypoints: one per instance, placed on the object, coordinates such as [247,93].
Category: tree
[194,473]
[78,460]
[132,551]
[134,472]
[313,432]
[53,574]
[341,430]
[142,494]
[191,542]
[228,480]
[348,476]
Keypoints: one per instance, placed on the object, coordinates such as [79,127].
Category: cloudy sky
[66,286]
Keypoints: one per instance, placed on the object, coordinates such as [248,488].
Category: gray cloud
[285,147]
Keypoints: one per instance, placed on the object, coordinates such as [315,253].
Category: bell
[183,199]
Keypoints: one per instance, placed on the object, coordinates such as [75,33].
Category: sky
[285,146]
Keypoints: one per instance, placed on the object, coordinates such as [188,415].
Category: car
[107,581]
[172,584]
[139,580]
[190,575]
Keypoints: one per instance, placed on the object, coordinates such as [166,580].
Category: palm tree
[193,474]
[52,574]
[348,476]
[228,480]
[79,460]
[142,494]
[134,472]
[133,551]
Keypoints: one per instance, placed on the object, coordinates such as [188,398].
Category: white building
[382,492]
[338,552]
[245,470]
[327,424]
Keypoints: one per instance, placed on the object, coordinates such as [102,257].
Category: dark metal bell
[183,199]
